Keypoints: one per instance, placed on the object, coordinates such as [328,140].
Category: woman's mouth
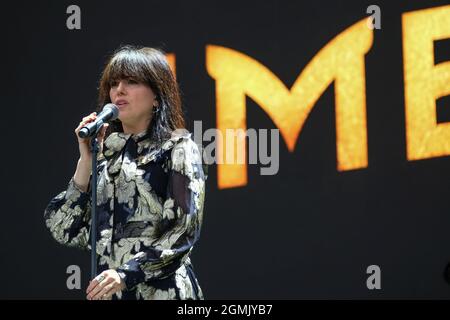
[121,103]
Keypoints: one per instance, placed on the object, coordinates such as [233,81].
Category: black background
[307,232]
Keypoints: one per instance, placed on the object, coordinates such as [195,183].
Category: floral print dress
[149,210]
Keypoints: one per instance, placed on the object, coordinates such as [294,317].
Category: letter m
[341,61]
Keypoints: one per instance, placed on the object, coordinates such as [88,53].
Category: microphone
[110,112]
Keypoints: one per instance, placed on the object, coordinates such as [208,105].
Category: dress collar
[147,149]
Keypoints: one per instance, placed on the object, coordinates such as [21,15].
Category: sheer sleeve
[68,215]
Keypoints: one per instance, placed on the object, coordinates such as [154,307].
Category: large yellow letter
[341,61]
[171,59]
[425,82]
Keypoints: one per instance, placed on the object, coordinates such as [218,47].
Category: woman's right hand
[84,144]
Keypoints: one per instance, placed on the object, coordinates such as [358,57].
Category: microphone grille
[114,109]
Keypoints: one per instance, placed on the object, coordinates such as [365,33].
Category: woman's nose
[121,87]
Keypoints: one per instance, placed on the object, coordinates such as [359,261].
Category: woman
[150,186]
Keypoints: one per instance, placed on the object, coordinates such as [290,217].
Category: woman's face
[134,100]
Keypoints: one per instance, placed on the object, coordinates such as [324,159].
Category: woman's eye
[113,84]
[131,81]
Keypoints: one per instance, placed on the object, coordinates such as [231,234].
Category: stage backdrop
[358,206]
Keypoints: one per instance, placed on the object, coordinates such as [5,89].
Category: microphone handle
[90,129]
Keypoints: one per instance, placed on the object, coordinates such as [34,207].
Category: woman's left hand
[105,285]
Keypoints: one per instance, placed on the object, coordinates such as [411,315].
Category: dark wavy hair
[148,66]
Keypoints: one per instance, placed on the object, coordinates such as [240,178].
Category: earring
[155,108]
